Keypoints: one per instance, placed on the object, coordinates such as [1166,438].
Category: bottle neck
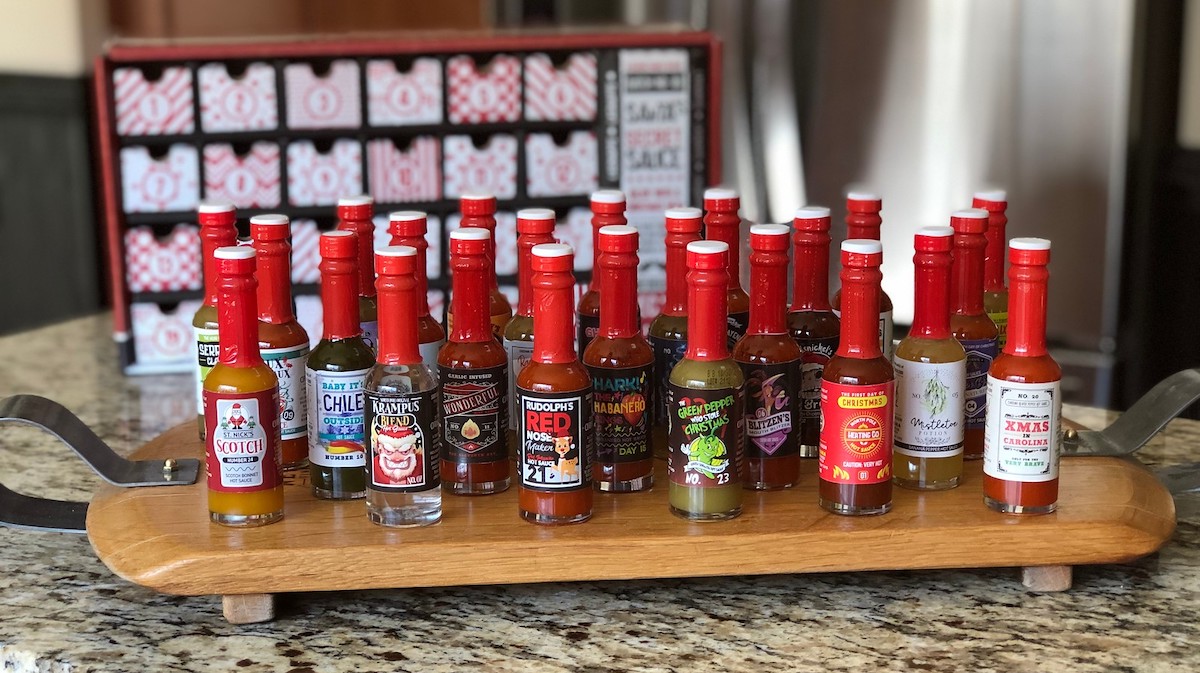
[707,313]
[725,227]
[422,276]
[768,301]
[931,304]
[863,225]
[553,318]
[676,299]
[237,317]
[993,261]
[1027,311]
[966,294]
[366,256]
[483,222]
[525,245]
[599,221]
[618,295]
[860,313]
[214,236]
[810,288]
[339,299]
[398,341]
[469,299]
[274,282]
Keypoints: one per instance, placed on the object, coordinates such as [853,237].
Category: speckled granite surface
[62,610]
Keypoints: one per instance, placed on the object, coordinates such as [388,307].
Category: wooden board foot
[248,608]
[1046,578]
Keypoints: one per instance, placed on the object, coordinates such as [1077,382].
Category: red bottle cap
[535,221]
[270,235]
[553,258]
[1029,251]
[684,220]
[210,213]
[618,239]
[769,237]
[993,200]
[811,218]
[721,199]
[708,281]
[396,260]
[933,239]
[361,207]
[553,321]
[862,252]
[339,245]
[237,312]
[864,202]
[477,203]
[408,224]
[270,227]
[237,260]
[707,255]
[969,221]
[810,263]
[471,241]
[608,201]
[397,266]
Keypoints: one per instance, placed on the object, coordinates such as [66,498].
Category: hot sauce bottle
[995,295]
[354,214]
[813,324]
[409,227]
[770,361]
[217,230]
[535,226]
[968,321]
[283,342]
[1023,439]
[335,372]
[402,405]
[555,392]
[704,397]
[857,396]
[722,223]
[241,406]
[863,222]
[473,369]
[668,330]
[479,212]
[608,209]
[620,362]
[931,374]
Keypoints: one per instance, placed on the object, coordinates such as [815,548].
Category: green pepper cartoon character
[706,453]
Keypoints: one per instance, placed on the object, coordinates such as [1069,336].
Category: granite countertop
[62,610]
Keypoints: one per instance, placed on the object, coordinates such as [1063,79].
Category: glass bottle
[241,405]
[403,408]
[813,324]
[722,223]
[620,362]
[770,361]
[335,372]
[535,226]
[705,396]
[608,209]
[409,227]
[668,330]
[857,396]
[968,321]
[995,294]
[1023,439]
[473,369]
[217,230]
[555,391]
[863,221]
[931,374]
[282,340]
[354,214]
[479,211]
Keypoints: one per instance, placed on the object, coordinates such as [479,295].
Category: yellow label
[869,402]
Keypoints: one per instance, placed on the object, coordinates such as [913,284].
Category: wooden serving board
[1110,511]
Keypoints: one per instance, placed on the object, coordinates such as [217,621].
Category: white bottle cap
[862,246]
[477,196]
[234,252]
[608,196]
[359,200]
[406,215]
[971,213]
[720,193]
[1029,244]
[269,218]
[707,247]
[338,233]
[535,214]
[471,234]
[683,213]
[770,230]
[552,250]
[618,230]
[214,207]
[935,232]
[811,213]
[993,195]
[396,250]
[862,196]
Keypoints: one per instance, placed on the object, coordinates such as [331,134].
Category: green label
[1001,320]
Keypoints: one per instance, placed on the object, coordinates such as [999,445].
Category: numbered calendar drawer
[160,183]
[247,180]
[561,170]
[167,264]
[245,101]
[150,102]
[484,94]
[163,336]
[490,168]
[320,178]
[329,100]
[402,173]
[560,93]
[396,98]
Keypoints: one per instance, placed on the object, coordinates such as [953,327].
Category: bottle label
[619,399]
[402,448]
[429,353]
[370,333]
[980,353]
[1001,320]
[816,354]
[667,354]
[208,353]
[589,327]
[520,353]
[856,433]
[474,405]
[288,365]
[886,330]
[704,437]
[335,418]
[1022,439]
[556,440]
[771,424]
[736,325]
[243,442]
[929,408]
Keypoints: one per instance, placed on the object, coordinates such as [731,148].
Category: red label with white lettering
[856,433]
[242,441]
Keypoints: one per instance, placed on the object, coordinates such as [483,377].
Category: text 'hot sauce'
[858,391]
[1023,435]
[770,361]
[479,212]
[704,398]
[409,227]
[217,230]
[608,209]
[535,226]
[722,223]
[813,324]
[968,321]
[555,390]
[863,222]
[354,214]
[620,363]
[241,405]
[995,294]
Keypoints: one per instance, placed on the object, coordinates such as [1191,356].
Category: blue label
[980,353]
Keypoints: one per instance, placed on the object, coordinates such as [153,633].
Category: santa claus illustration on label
[398,450]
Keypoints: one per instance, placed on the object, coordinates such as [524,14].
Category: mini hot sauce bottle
[858,392]
[283,342]
[479,212]
[620,363]
[555,457]
[241,406]
[402,405]
[722,223]
[354,214]
[217,230]
[931,375]
[608,209]
[995,295]
[968,321]
[863,221]
[705,397]
[335,373]
[409,227]
[535,226]
[1023,439]
[668,330]
[770,361]
[473,369]
[813,324]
